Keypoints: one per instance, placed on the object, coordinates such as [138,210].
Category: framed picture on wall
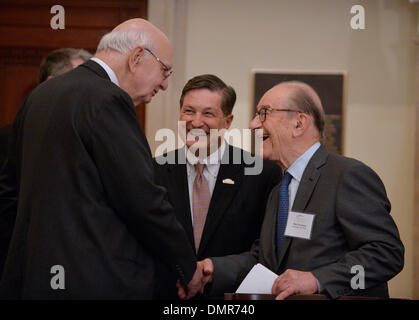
[329,86]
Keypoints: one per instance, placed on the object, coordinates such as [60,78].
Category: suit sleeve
[363,213]
[229,271]
[123,159]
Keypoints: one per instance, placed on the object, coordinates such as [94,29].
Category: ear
[301,123]
[135,57]
[229,120]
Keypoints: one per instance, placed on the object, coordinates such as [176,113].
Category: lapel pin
[228,181]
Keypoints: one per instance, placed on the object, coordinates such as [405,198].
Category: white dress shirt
[108,70]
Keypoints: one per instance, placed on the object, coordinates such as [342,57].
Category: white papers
[259,280]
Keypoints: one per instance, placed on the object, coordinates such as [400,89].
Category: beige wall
[231,37]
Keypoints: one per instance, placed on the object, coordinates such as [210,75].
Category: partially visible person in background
[60,61]
[54,64]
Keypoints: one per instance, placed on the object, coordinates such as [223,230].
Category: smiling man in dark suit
[352,226]
[230,217]
[91,221]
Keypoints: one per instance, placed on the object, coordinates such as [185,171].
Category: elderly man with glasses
[328,217]
[220,206]
[91,221]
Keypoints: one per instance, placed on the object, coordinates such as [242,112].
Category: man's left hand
[293,282]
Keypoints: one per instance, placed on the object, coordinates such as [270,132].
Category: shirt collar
[108,70]
[298,166]
[212,162]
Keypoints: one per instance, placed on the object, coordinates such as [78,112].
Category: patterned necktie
[283,207]
[200,202]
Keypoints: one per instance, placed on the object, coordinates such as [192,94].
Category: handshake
[288,283]
[203,275]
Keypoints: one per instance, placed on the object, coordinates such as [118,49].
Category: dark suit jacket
[5,133]
[7,205]
[236,210]
[352,227]
[87,197]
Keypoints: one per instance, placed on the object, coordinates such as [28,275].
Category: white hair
[124,41]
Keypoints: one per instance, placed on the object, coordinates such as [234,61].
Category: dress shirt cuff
[319,287]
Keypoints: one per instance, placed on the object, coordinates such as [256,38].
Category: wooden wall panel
[26,37]
[416,204]
[13,95]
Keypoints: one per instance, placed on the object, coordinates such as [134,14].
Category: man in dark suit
[237,200]
[352,236]
[91,221]
[54,64]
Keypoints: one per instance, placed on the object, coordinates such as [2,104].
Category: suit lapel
[222,196]
[305,189]
[178,179]
[309,179]
[268,233]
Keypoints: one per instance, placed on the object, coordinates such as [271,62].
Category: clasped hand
[293,282]
[202,275]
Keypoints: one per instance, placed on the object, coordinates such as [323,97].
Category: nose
[165,84]
[255,123]
[197,120]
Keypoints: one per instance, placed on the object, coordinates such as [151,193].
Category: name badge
[299,225]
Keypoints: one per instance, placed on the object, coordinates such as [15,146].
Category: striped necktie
[283,207]
[201,198]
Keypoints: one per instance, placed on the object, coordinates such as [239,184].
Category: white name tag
[299,225]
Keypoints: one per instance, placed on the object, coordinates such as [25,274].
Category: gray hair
[58,62]
[80,54]
[125,40]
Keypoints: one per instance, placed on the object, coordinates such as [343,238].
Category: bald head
[140,24]
[300,96]
[132,33]
[141,57]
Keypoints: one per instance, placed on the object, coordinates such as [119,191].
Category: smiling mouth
[265,136]
[197,132]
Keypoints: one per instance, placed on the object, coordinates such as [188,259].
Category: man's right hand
[202,275]
[208,270]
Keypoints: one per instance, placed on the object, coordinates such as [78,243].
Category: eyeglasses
[166,69]
[264,110]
